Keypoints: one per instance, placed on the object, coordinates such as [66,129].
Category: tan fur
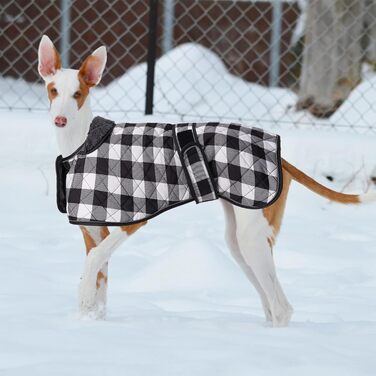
[274,212]
[101,276]
[90,244]
[51,91]
[89,241]
[131,229]
[104,232]
[83,92]
[318,188]
[84,70]
[58,64]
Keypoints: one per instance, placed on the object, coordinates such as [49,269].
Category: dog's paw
[282,316]
[88,301]
[96,312]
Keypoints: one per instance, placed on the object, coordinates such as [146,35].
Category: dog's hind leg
[96,260]
[232,242]
[254,234]
[256,231]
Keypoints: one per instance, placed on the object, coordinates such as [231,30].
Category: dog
[250,234]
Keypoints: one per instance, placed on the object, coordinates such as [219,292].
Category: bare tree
[332,54]
[370,32]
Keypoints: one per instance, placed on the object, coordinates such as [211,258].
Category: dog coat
[127,173]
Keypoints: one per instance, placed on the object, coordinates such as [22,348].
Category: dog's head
[68,89]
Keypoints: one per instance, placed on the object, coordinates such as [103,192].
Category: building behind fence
[265,62]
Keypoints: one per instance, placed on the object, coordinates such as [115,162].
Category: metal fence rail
[272,63]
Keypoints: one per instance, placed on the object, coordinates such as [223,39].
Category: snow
[191,79]
[359,106]
[178,303]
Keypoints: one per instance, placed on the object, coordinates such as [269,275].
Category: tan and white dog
[250,234]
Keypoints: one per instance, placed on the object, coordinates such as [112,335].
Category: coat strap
[194,162]
[61,175]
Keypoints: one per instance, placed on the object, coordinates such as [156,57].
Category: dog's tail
[323,191]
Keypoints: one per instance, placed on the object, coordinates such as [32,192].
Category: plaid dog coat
[127,173]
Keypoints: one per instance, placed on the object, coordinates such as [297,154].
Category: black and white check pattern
[194,161]
[129,172]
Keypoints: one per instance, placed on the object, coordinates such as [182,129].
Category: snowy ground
[178,305]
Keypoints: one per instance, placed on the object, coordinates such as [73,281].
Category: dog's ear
[92,68]
[49,59]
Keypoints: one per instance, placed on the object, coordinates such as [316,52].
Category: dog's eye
[330,178]
[53,91]
[76,95]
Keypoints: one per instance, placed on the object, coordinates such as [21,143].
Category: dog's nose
[60,121]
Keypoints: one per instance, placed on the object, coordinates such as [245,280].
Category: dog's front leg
[93,236]
[92,291]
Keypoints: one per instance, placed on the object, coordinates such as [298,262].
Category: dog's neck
[70,138]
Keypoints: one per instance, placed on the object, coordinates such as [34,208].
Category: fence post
[151,56]
[65,32]
[168,25]
[275,43]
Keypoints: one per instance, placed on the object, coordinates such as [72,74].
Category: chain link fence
[304,63]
